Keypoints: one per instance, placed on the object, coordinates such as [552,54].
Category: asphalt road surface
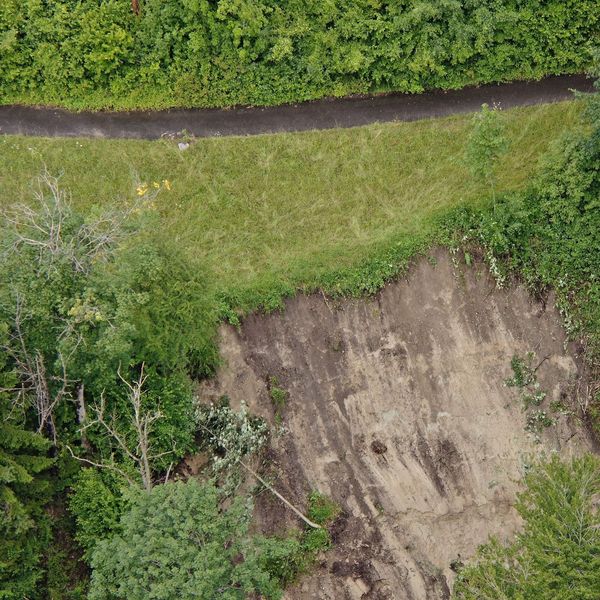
[319,114]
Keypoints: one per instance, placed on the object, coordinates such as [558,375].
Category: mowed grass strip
[277,212]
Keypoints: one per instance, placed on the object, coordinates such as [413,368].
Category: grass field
[271,213]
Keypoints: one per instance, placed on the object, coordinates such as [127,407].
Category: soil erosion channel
[398,410]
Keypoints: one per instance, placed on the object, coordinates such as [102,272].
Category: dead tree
[35,388]
[44,227]
[141,452]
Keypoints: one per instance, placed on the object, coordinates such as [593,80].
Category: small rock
[378,447]
[183,146]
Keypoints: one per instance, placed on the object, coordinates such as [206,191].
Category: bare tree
[35,387]
[140,452]
[49,227]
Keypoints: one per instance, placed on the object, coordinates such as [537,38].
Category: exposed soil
[319,114]
[398,410]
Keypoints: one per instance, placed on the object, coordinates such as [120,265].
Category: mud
[398,410]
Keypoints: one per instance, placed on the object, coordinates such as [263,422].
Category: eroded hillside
[398,410]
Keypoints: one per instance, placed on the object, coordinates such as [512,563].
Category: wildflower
[142,189]
[167,184]
[155,184]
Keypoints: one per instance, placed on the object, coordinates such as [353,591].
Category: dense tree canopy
[203,53]
[177,542]
[23,528]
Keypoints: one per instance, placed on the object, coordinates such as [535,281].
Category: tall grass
[267,214]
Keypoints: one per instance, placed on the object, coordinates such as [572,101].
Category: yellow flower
[142,189]
[167,183]
[155,184]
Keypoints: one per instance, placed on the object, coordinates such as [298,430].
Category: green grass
[268,214]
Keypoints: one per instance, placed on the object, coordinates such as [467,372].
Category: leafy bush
[177,542]
[557,555]
[201,53]
[96,506]
[487,143]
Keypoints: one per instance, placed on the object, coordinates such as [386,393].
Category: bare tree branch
[266,484]
[109,466]
[142,454]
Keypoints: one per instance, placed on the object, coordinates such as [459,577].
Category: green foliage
[557,555]
[201,53]
[283,558]
[486,144]
[23,492]
[549,235]
[94,295]
[321,509]
[66,576]
[278,394]
[177,542]
[288,558]
[97,504]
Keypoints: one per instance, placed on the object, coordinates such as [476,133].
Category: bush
[201,53]
[557,555]
[96,506]
[177,542]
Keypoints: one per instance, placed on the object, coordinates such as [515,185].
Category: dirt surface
[320,114]
[398,410]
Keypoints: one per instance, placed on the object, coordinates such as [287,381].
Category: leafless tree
[48,228]
[140,452]
[35,387]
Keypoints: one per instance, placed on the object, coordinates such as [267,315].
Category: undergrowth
[303,550]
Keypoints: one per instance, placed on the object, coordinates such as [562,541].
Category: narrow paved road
[320,114]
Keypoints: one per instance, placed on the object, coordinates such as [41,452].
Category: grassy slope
[269,213]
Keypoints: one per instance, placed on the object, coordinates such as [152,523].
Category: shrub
[200,53]
[96,506]
[177,542]
[557,555]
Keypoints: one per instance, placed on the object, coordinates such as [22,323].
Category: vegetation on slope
[549,233]
[113,310]
[200,53]
[263,216]
[557,554]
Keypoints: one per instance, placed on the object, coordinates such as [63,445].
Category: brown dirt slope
[397,409]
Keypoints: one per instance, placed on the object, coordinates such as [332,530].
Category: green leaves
[177,542]
[487,143]
[557,555]
[201,53]
[22,494]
